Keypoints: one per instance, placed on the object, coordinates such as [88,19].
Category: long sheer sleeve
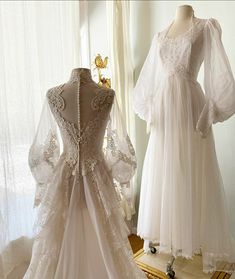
[120,157]
[44,152]
[120,154]
[219,83]
[146,84]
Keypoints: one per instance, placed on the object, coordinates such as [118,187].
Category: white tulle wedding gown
[182,201]
[80,232]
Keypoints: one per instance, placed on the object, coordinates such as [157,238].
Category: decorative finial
[101,65]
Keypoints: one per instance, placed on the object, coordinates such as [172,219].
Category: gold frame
[154,273]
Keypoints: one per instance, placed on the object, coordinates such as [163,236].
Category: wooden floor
[136,243]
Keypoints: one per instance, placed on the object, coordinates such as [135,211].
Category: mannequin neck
[81,74]
[184,12]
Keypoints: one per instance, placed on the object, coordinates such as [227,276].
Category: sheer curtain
[118,16]
[40,44]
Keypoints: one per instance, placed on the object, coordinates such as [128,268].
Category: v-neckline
[192,23]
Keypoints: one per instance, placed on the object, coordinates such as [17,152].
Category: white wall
[149,17]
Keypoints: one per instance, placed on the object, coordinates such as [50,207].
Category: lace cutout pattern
[101,103]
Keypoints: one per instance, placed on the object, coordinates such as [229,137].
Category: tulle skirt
[182,200]
[81,232]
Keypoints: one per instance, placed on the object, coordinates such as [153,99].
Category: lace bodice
[90,133]
[183,54]
[91,130]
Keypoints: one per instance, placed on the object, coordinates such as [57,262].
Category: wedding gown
[182,200]
[80,232]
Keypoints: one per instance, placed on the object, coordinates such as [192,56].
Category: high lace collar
[80,74]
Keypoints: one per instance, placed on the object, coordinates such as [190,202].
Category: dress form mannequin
[87,91]
[182,22]
[88,88]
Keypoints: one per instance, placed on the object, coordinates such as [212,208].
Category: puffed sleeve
[146,84]
[120,158]
[44,152]
[219,83]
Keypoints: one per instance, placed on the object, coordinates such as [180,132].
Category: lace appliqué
[109,214]
[56,100]
[120,157]
[43,156]
[174,52]
[68,129]
[116,152]
[102,103]
[102,100]
[49,150]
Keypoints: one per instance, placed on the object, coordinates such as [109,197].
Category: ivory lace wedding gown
[80,232]
[182,201]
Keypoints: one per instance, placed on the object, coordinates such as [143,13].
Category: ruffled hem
[212,262]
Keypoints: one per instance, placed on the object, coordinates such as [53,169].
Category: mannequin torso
[182,22]
[88,91]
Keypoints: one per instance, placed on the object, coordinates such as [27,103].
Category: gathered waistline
[182,73]
[83,163]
